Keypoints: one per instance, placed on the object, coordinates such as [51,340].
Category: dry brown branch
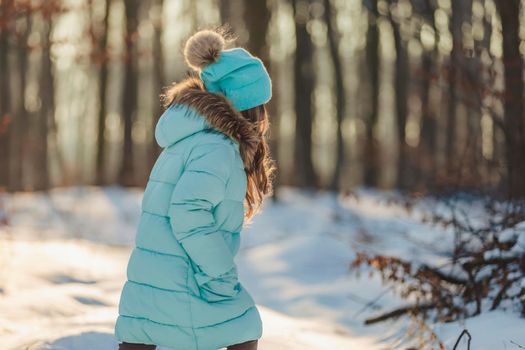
[466,333]
[399,312]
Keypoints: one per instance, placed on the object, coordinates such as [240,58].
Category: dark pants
[249,345]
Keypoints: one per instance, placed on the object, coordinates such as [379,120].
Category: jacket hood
[193,109]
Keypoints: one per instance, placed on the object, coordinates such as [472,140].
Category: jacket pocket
[221,288]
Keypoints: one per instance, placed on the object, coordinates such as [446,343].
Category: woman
[183,290]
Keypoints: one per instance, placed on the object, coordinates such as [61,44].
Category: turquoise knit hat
[234,73]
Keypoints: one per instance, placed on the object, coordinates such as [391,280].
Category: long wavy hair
[259,175]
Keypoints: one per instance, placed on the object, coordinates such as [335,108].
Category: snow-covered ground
[63,260]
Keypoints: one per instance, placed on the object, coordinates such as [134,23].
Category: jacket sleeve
[200,188]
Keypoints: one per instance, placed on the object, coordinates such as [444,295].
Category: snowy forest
[397,128]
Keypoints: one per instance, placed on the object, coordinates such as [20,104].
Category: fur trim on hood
[219,113]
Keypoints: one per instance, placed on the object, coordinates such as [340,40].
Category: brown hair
[259,175]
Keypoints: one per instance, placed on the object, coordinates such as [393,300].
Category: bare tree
[514,122]
[22,122]
[5,98]
[427,147]
[340,102]
[129,97]
[401,84]
[47,109]
[459,9]
[158,72]
[101,57]
[428,135]
[257,19]
[371,149]
[454,62]
[304,87]
[224,10]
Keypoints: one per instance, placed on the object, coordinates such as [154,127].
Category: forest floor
[63,261]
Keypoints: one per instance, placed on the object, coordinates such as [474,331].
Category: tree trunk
[514,122]
[160,79]
[5,97]
[340,103]
[427,140]
[129,97]
[304,87]
[455,59]
[401,80]
[491,162]
[102,90]
[20,143]
[232,15]
[257,18]
[41,180]
[224,11]
[371,152]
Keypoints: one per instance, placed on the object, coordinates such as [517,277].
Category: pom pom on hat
[234,73]
[203,48]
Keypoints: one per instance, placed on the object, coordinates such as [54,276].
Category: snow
[63,261]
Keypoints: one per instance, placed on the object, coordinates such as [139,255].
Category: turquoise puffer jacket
[183,290]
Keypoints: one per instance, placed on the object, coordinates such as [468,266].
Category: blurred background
[398,128]
[406,94]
